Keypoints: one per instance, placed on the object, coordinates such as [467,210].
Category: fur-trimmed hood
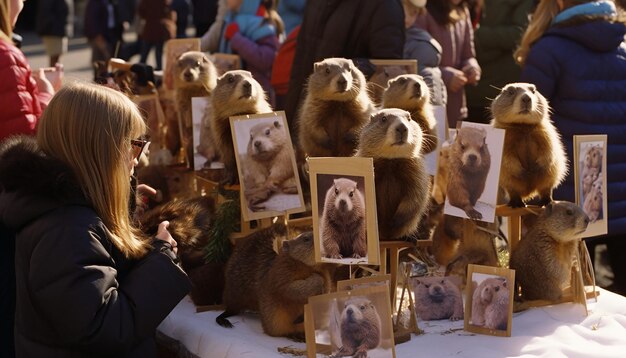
[32,183]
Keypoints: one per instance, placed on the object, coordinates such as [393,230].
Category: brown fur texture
[533,159]
[468,167]
[292,278]
[490,302]
[267,166]
[402,184]
[194,76]
[236,93]
[379,81]
[343,223]
[335,109]
[411,93]
[475,247]
[170,183]
[440,187]
[437,298]
[592,205]
[245,270]
[360,328]
[543,258]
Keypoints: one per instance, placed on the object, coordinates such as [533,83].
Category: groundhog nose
[247,85]
[401,130]
[342,84]
[472,158]
[257,144]
[188,76]
[526,99]
[349,312]
[417,90]
[343,203]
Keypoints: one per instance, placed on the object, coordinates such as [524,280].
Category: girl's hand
[164,235]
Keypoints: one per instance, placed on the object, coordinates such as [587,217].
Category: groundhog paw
[473,214]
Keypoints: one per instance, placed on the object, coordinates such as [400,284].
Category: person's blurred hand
[43,85]
[472,74]
[164,235]
[458,81]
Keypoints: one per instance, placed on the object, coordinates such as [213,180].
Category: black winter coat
[55,18]
[355,29]
[76,294]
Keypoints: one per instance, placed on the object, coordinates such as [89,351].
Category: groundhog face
[565,221]
[301,248]
[358,309]
[593,158]
[237,88]
[391,133]
[336,79]
[344,196]
[435,289]
[519,103]
[490,287]
[266,140]
[470,146]
[194,68]
[406,91]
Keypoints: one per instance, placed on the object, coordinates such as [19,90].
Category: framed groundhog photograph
[489,300]
[363,282]
[225,62]
[437,298]
[386,70]
[355,323]
[204,151]
[343,200]
[590,181]
[474,159]
[174,48]
[266,165]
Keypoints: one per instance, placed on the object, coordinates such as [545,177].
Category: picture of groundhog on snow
[591,179]
[473,172]
[266,166]
[342,222]
[490,304]
[353,323]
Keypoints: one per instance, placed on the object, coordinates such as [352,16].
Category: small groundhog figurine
[360,328]
[533,159]
[543,258]
[411,93]
[402,184]
[267,166]
[236,93]
[343,224]
[468,167]
[437,298]
[335,109]
[246,267]
[287,286]
[194,76]
[486,294]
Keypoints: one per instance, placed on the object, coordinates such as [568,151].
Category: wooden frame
[323,173]
[322,320]
[590,181]
[487,304]
[276,204]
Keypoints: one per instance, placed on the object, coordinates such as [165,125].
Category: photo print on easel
[590,181]
[385,71]
[355,323]
[266,164]
[225,62]
[204,150]
[153,115]
[437,297]
[489,300]
[173,49]
[343,200]
[474,159]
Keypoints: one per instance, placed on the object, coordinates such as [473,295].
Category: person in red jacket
[23,95]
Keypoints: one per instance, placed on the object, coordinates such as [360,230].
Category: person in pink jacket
[449,22]
[23,95]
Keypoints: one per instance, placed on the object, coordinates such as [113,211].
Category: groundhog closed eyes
[360,328]
[335,109]
[543,258]
[343,225]
[267,166]
[236,93]
[402,184]
[533,159]
[468,166]
[411,93]
[437,298]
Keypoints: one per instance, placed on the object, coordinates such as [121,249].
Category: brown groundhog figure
[248,264]
[292,278]
[533,158]
[542,260]
[468,167]
[592,205]
[343,224]
[236,93]
[437,298]
[335,109]
[497,312]
[484,295]
[267,166]
[360,328]
[194,76]
[590,175]
[402,184]
[379,81]
[411,93]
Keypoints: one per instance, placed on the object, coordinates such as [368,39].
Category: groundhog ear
[205,59]
[317,66]
[277,124]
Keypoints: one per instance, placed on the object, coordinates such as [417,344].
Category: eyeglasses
[138,146]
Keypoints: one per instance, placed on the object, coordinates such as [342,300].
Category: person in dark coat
[574,52]
[103,28]
[87,283]
[203,14]
[159,26]
[354,29]
[55,24]
[182,9]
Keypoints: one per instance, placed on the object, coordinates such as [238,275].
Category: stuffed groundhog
[437,298]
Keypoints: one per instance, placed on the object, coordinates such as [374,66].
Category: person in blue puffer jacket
[574,52]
